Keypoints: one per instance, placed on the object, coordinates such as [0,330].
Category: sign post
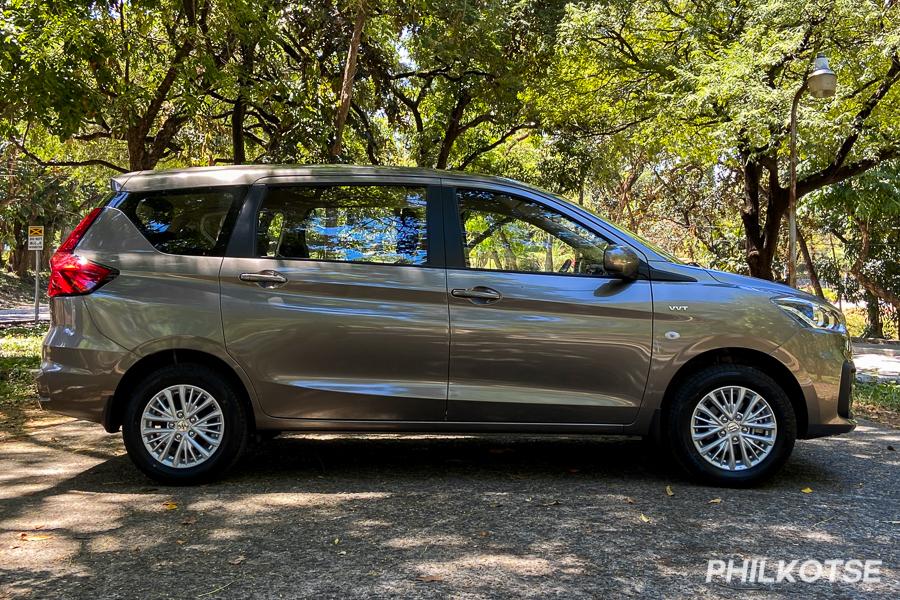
[36,243]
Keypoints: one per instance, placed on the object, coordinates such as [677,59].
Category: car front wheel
[731,425]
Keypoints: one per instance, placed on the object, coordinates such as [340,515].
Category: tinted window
[193,222]
[507,233]
[376,224]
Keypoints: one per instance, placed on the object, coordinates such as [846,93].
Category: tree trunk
[238,152]
[347,83]
[761,238]
[453,129]
[18,257]
[19,261]
[857,269]
[760,266]
[238,144]
[513,264]
[137,150]
[874,326]
[548,254]
[810,267]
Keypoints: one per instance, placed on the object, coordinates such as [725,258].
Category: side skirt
[434,426]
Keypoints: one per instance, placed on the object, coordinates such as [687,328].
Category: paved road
[23,313]
[877,362]
[467,516]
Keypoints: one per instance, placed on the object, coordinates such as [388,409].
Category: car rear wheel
[185,424]
[731,425]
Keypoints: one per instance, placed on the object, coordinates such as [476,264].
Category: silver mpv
[200,307]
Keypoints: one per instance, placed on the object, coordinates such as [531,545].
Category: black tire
[264,436]
[677,425]
[233,439]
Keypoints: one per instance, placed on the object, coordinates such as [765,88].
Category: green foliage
[879,395]
[20,351]
[670,118]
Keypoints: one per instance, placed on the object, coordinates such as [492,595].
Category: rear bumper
[79,366]
[77,391]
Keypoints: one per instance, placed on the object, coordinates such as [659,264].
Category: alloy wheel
[733,428]
[182,426]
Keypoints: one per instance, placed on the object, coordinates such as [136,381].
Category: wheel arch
[748,357]
[115,406]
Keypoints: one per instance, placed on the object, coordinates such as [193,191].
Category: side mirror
[621,261]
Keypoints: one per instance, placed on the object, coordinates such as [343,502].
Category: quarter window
[374,224]
[190,222]
[506,233]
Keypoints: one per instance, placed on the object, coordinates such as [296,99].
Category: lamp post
[821,83]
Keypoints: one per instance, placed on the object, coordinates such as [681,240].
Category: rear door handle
[479,295]
[265,278]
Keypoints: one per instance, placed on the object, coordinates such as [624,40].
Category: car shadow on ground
[424,515]
[361,460]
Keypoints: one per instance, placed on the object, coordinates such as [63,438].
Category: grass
[15,291]
[878,402]
[20,351]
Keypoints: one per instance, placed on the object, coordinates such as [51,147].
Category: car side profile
[199,307]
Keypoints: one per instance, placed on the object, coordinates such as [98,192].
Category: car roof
[249,174]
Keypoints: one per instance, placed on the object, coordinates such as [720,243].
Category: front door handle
[479,295]
[266,278]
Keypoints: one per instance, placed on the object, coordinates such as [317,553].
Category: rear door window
[188,222]
[383,224]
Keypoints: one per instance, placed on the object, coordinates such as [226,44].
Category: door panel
[538,333]
[554,349]
[341,311]
[340,340]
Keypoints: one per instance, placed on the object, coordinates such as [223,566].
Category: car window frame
[455,240]
[244,235]
[229,225]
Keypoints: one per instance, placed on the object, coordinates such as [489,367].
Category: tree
[109,70]
[715,81]
[864,213]
[458,88]
[340,120]
[32,194]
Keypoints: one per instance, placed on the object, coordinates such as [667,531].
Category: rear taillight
[73,275]
[69,245]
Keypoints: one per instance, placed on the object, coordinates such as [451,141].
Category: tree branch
[483,149]
[859,120]
[92,162]
[831,176]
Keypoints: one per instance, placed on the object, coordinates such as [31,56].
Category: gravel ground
[433,516]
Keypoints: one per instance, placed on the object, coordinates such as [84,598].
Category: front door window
[507,233]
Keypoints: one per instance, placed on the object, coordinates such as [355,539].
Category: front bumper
[846,422]
[822,365]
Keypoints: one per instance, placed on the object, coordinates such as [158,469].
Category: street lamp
[821,83]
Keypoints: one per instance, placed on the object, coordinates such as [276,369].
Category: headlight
[813,314]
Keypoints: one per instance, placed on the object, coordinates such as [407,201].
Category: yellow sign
[35,237]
